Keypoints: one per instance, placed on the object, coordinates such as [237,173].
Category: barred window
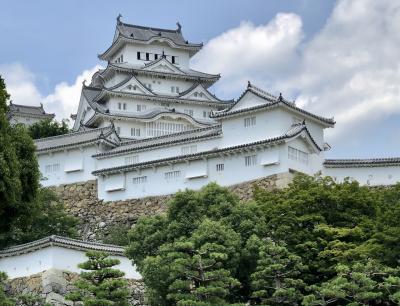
[298,155]
[172,175]
[52,168]
[188,111]
[250,160]
[139,180]
[133,159]
[220,167]
[135,132]
[250,121]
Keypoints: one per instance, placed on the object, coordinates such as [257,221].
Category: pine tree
[101,285]
[276,280]
[359,284]
[199,266]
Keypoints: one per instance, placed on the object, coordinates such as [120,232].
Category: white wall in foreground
[57,258]
[372,176]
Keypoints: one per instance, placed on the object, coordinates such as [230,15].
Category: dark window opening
[138,55]
[173,59]
[147,56]
[155,56]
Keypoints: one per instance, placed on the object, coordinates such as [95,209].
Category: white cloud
[350,69]
[63,101]
[249,52]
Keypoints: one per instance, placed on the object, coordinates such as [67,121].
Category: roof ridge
[73,133]
[148,28]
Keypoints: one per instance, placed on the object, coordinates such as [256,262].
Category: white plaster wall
[131,107]
[57,258]
[269,124]
[158,153]
[366,175]
[234,172]
[129,52]
[24,120]
[64,158]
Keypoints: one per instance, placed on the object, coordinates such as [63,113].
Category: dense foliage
[47,128]
[27,211]
[316,242]
[100,284]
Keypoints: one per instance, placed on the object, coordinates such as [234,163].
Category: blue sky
[59,39]
[335,58]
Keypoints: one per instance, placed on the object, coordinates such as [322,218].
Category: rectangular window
[124,105]
[172,175]
[140,107]
[250,121]
[135,132]
[172,88]
[204,114]
[118,130]
[133,159]
[188,111]
[155,56]
[139,180]
[177,89]
[147,56]
[250,160]
[52,168]
[219,167]
[298,155]
[173,60]
[119,105]
[189,149]
[138,55]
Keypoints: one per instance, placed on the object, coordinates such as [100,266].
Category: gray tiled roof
[61,242]
[358,163]
[186,74]
[127,33]
[150,114]
[75,138]
[294,131]
[134,145]
[272,101]
[34,111]
[146,33]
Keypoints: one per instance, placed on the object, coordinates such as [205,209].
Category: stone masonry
[98,216]
[52,285]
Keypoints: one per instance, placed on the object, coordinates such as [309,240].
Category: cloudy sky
[339,59]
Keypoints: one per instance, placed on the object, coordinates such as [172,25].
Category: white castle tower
[148,88]
[147,125]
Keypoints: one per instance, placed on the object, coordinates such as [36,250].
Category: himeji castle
[148,125]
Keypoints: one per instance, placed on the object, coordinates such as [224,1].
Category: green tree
[4,300]
[48,128]
[323,222]
[100,285]
[276,280]
[201,265]
[27,212]
[361,283]
[10,183]
[45,217]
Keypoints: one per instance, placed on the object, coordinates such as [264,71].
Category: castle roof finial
[84,83]
[280,99]
[119,19]
[163,54]
[179,30]
[248,84]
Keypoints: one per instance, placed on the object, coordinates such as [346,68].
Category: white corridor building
[148,125]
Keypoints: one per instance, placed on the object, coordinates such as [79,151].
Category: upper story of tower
[138,45]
